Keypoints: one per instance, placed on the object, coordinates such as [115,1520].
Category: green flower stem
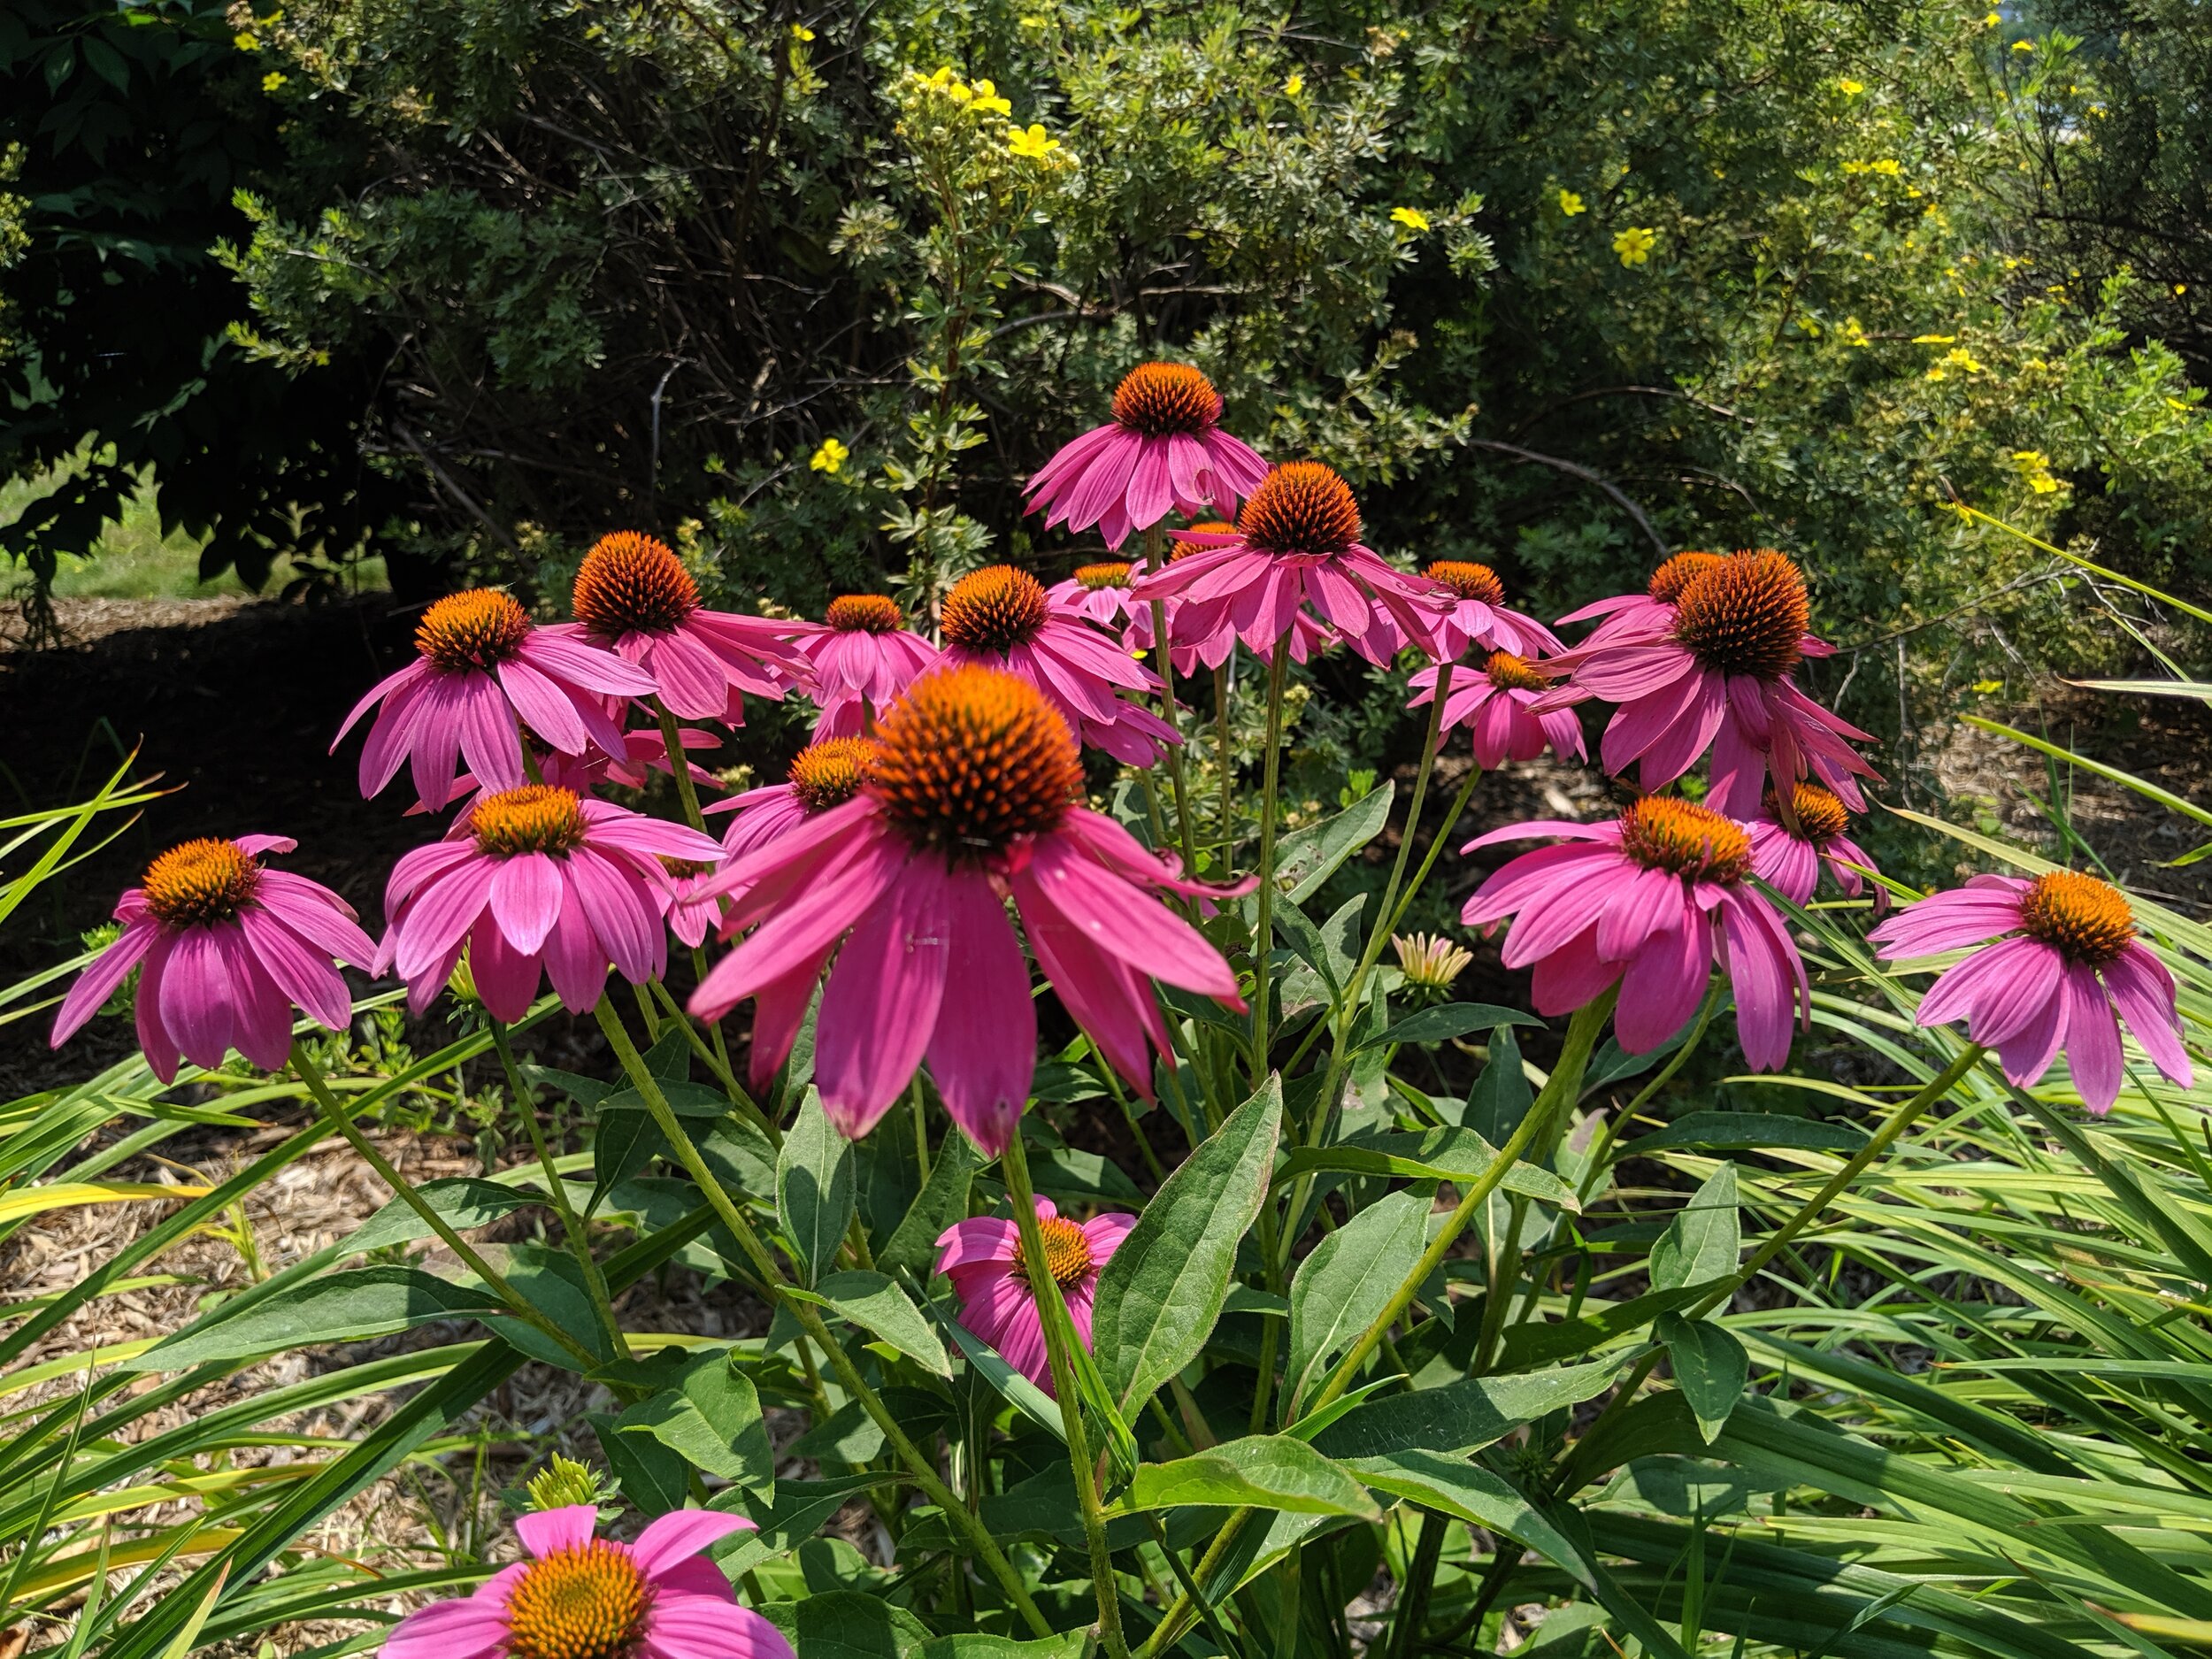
[341,1120]
[1560,1091]
[1155,545]
[556,1189]
[717,1061]
[1060,1340]
[672,738]
[1882,1139]
[1223,676]
[1348,1009]
[1599,1154]
[1263,936]
[919,1464]
[1129,1115]
[1172,1624]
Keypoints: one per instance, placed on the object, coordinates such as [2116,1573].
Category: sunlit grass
[133,559]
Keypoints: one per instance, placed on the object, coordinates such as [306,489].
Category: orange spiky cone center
[538,818]
[1508,672]
[477,629]
[1301,507]
[972,757]
[830,773]
[1660,832]
[1067,1253]
[1668,582]
[200,883]
[863,613]
[994,608]
[588,1601]
[1110,573]
[1156,399]
[1821,814]
[2083,919]
[1468,580]
[631,583]
[1746,616]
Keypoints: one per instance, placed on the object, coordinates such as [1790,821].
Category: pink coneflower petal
[1665,981]
[297,969]
[2093,1040]
[526,899]
[2143,991]
[544,1531]
[694,1627]
[98,982]
[681,1534]
[1997,990]
[466,1629]
[880,1004]
[983,1050]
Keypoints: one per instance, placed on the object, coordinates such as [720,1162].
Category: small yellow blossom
[1032,143]
[2023,46]
[830,457]
[1934,340]
[1984,686]
[1850,87]
[1993,20]
[275,79]
[1853,334]
[2035,466]
[1634,245]
[1412,217]
[800,32]
[1294,86]
[988,100]
[247,40]
[1957,358]
[2180,288]
[1570,203]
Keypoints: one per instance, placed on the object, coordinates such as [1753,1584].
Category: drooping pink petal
[1664,982]
[983,1051]
[1126,921]
[1571,976]
[441,914]
[526,899]
[574,960]
[881,1003]
[160,1048]
[98,981]
[1998,989]
[2093,1040]
[621,912]
[302,972]
[506,977]
[2144,992]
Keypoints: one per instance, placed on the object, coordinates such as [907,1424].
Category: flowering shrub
[1375,1366]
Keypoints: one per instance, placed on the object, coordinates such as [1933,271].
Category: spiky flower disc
[830,773]
[588,1601]
[1067,1253]
[2083,919]
[1301,507]
[199,883]
[1111,573]
[1668,582]
[1745,615]
[480,628]
[1660,832]
[1821,817]
[538,818]
[1508,672]
[631,583]
[972,757]
[1159,398]
[863,613]
[994,608]
[1468,580]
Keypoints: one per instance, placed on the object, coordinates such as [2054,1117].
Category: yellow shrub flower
[830,457]
[2035,466]
[1850,87]
[275,79]
[1032,143]
[1570,203]
[988,100]
[1412,217]
[1634,245]
[1295,84]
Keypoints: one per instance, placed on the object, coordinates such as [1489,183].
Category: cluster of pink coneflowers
[937,825]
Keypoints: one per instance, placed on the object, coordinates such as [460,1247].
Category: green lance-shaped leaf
[462,1202]
[1349,1280]
[1266,1471]
[815,1188]
[711,1419]
[1159,1297]
[1703,1240]
[1468,1491]
[943,1201]
[1464,1416]
[877,1306]
[1449,1020]
[339,1308]
[1710,1367]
